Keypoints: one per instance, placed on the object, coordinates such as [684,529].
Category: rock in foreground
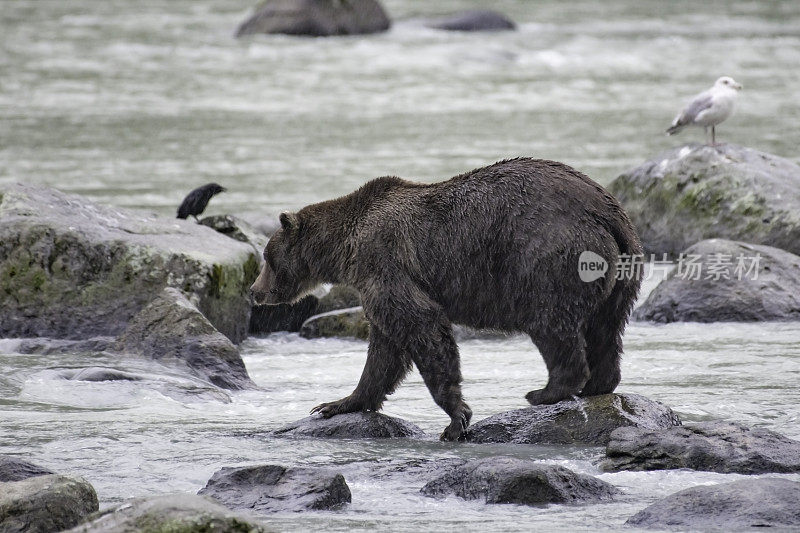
[15,469]
[510,480]
[340,323]
[45,503]
[363,425]
[712,446]
[173,513]
[763,285]
[745,504]
[475,20]
[171,329]
[316,18]
[273,488]
[73,269]
[587,421]
[698,192]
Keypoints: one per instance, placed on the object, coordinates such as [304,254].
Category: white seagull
[709,108]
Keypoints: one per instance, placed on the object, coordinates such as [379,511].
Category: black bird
[197,200]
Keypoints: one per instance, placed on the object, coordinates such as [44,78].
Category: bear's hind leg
[603,352]
[386,367]
[565,358]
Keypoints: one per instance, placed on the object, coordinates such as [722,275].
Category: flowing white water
[135,103]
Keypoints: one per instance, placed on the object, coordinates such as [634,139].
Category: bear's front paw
[329,409]
[457,430]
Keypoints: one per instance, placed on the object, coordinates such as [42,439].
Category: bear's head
[285,275]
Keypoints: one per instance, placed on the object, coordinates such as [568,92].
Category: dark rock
[510,480]
[711,446]
[96,373]
[587,421]
[45,346]
[749,503]
[316,18]
[237,229]
[341,323]
[73,269]
[696,192]
[172,330]
[362,425]
[339,297]
[273,488]
[15,469]
[771,291]
[45,503]
[270,318]
[475,20]
[173,513]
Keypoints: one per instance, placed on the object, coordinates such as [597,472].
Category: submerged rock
[749,503]
[45,503]
[362,425]
[340,323]
[765,287]
[173,513]
[722,447]
[269,318]
[584,421]
[16,469]
[273,488]
[696,192]
[74,269]
[510,480]
[316,18]
[237,229]
[475,20]
[96,373]
[171,330]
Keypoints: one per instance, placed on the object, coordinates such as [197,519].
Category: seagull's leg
[705,130]
[713,137]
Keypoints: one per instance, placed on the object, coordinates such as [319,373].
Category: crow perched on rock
[197,200]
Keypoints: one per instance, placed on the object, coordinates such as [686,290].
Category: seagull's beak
[738,86]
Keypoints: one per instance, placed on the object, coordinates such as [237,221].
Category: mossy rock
[340,323]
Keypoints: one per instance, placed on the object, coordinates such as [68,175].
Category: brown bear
[497,247]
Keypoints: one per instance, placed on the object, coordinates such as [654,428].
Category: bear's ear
[289,221]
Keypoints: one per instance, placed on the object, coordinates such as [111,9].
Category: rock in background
[361,425]
[16,469]
[340,323]
[770,292]
[696,192]
[45,503]
[316,18]
[475,20]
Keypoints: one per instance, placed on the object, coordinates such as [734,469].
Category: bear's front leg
[386,366]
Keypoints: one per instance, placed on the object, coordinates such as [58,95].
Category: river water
[135,103]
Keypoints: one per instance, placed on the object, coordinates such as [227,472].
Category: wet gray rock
[174,513]
[697,192]
[770,291]
[269,318]
[339,297]
[316,18]
[16,469]
[172,330]
[273,488]
[340,323]
[745,504]
[362,425]
[722,447]
[239,230]
[587,421]
[45,503]
[74,269]
[45,346]
[511,480]
[96,373]
[474,20]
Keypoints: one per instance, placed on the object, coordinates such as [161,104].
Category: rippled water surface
[134,103]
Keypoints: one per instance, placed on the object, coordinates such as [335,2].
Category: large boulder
[170,329]
[735,282]
[173,513]
[511,480]
[722,447]
[42,504]
[583,421]
[237,229]
[735,506]
[316,18]
[16,469]
[473,20]
[71,268]
[340,323]
[361,425]
[269,318]
[696,192]
[274,488]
